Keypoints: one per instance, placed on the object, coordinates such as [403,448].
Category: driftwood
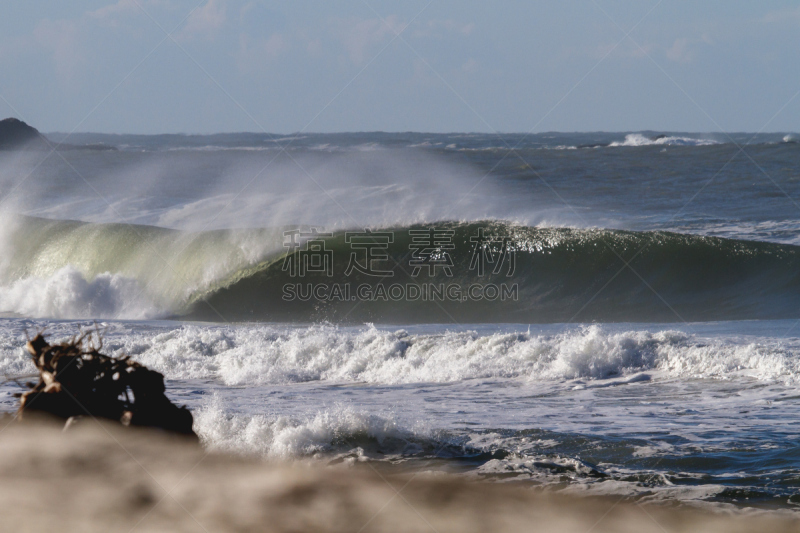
[75,380]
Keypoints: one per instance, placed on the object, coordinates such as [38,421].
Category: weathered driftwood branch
[75,379]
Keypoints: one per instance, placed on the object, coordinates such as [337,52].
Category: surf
[70,269]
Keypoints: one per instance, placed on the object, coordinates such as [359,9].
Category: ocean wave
[333,433]
[782,231]
[343,434]
[68,294]
[269,355]
[637,139]
[560,275]
[218,148]
[376,356]
[545,275]
[68,269]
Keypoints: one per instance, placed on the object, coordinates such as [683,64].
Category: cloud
[683,49]
[680,51]
[62,38]
[117,14]
[109,15]
[68,41]
[470,66]
[255,54]
[783,16]
[624,49]
[205,21]
[442,28]
[361,36]
[274,46]
[314,47]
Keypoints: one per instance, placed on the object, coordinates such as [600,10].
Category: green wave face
[558,275]
[453,272]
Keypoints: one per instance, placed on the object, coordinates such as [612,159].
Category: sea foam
[637,139]
[271,354]
[68,294]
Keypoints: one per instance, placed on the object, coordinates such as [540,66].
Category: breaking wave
[638,139]
[62,269]
[271,355]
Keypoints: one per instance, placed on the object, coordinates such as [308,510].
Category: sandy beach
[99,477]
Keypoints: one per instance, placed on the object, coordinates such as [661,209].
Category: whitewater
[649,345]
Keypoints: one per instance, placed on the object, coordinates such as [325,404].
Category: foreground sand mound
[107,478]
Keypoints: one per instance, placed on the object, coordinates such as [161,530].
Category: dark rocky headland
[17,135]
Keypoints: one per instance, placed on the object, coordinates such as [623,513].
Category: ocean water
[609,313]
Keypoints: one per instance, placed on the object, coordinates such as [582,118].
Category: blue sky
[322,66]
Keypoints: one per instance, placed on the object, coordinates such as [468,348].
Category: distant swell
[637,139]
[79,270]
